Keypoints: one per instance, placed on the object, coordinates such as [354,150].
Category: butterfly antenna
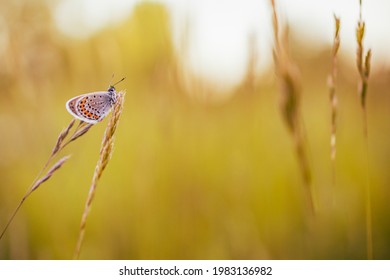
[119,81]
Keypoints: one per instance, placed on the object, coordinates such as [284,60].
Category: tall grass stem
[105,156]
[363,63]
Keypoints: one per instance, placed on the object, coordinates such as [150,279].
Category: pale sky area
[219,30]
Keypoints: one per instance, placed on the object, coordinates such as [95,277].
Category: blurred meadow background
[203,164]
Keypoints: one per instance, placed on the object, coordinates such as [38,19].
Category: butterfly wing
[90,107]
[71,106]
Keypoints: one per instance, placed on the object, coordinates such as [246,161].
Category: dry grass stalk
[80,131]
[290,89]
[35,186]
[363,63]
[50,173]
[332,94]
[61,137]
[60,144]
[105,156]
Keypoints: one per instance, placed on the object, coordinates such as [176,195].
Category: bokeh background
[203,166]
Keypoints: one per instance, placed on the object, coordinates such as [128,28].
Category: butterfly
[93,107]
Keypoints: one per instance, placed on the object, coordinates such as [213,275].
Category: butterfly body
[92,107]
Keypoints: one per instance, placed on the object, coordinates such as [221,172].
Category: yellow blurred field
[191,177]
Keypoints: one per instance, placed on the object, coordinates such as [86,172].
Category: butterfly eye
[111,90]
